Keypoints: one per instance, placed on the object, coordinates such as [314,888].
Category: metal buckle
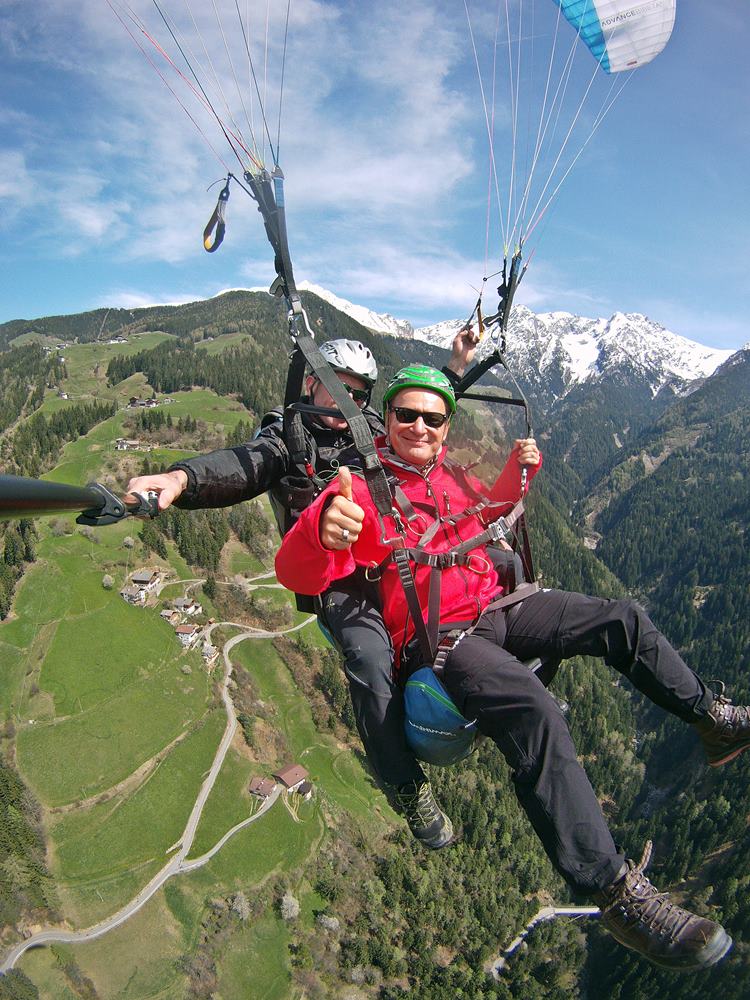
[368,577]
[487,565]
[449,641]
[397,541]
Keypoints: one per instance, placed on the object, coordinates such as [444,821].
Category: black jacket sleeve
[225,477]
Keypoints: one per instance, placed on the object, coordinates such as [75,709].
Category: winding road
[178,864]
[546,913]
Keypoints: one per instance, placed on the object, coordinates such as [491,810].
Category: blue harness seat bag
[436,731]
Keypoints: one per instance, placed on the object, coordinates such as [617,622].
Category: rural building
[133,595]
[187,606]
[291,776]
[63,395]
[170,615]
[262,787]
[305,790]
[209,653]
[187,634]
[147,579]
[127,444]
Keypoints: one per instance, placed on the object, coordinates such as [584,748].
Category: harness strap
[268,191]
[405,504]
[427,634]
[374,473]
[449,641]
[406,576]
[459,555]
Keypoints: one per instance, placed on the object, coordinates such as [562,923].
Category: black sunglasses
[358,395]
[405,415]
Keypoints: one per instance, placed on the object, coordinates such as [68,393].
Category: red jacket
[304,566]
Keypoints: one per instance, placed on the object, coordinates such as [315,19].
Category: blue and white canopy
[621,34]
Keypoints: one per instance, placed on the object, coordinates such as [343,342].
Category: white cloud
[16,183]
[131,299]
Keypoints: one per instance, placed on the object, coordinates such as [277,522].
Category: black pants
[351,613]
[488,682]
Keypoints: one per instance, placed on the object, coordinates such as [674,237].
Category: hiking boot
[725,731]
[639,916]
[426,819]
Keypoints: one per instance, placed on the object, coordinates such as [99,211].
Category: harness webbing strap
[405,504]
[372,468]
[460,555]
[449,642]
[406,576]
[268,191]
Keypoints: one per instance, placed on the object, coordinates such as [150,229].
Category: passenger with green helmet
[437,579]
[416,430]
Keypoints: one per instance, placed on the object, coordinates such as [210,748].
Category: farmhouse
[133,595]
[187,606]
[291,776]
[187,634]
[147,579]
[127,444]
[209,653]
[262,787]
[170,615]
[305,790]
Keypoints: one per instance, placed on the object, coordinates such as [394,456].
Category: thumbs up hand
[342,519]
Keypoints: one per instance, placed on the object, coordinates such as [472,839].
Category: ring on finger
[345,534]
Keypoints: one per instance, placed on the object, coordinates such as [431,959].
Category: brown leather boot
[725,731]
[648,921]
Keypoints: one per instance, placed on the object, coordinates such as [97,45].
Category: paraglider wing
[621,34]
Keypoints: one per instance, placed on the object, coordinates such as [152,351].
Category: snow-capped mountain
[562,350]
[554,352]
[378,322]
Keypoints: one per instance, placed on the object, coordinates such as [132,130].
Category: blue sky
[103,177]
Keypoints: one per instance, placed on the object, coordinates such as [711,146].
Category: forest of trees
[25,883]
[24,374]
[32,448]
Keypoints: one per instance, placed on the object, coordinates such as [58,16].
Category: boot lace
[419,807]
[639,901]
[727,716]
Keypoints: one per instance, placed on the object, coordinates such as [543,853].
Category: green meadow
[86,364]
[337,773]
[94,846]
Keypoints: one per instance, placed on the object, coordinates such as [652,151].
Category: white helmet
[351,358]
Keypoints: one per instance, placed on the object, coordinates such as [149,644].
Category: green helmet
[421,377]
